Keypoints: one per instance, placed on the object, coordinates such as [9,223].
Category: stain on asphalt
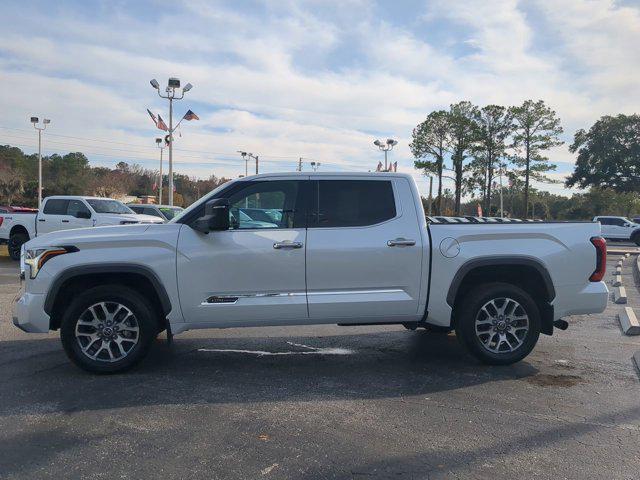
[545,380]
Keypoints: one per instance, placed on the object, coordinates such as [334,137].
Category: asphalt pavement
[324,402]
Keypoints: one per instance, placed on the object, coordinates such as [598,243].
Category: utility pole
[256,157]
[501,204]
[159,144]
[300,164]
[45,122]
[430,193]
[172,85]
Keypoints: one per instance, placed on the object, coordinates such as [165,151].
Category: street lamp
[245,157]
[45,122]
[159,144]
[385,146]
[172,85]
[315,166]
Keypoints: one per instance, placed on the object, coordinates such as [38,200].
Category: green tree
[429,146]
[536,129]
[608,154]
[493,127]
[462,131]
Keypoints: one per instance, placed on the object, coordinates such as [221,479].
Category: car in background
[165,212]
[12,209]
[65,212]
[618,228]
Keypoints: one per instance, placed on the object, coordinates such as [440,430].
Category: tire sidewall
[465,326]
[15,242]
[108,293]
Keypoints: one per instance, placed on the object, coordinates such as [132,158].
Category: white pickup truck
[349,249]
[619,228]
[64,213]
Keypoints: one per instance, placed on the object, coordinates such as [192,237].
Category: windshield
[170,212]
[109,206]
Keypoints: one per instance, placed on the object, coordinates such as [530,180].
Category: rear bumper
[29,314]
[580,299]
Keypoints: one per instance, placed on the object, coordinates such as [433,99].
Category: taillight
[601,259]
[1,220]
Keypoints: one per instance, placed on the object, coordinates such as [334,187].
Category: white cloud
[313,79]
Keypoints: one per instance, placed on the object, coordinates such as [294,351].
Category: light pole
[245,157]
[159,144]
[315,166]
[172,85]
[385,147]
[45,122]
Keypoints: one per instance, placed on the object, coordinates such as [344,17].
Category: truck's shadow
[384,365]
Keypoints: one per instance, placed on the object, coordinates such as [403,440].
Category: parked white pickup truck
[619,228]
[350,249]
[64,213]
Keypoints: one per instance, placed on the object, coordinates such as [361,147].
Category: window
[275,200]
[353,203]
[56,206]
[109,206]
[618,222]
[76,206]
[152,211]
[136,209]
[170,212]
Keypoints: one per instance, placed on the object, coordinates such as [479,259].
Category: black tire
[410,326]
[143,315]
[15,243]
[471,308]
[636,239]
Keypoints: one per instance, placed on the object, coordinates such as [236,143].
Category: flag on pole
[190,116]
[379,167]
[161,125]
[153,117]
[395,166]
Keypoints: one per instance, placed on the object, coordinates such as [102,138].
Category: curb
[617,282]
[620,295]
[629,322]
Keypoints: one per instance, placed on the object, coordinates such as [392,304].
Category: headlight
[23,266]
[37,257]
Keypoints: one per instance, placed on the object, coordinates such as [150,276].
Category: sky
[318,79]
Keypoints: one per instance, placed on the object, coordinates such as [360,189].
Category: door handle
[41,220]
[401,242]
[65,221]
[287,244]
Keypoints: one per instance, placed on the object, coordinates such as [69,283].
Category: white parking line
[310,351]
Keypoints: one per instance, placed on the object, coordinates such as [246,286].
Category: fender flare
[500,260]
[80,270]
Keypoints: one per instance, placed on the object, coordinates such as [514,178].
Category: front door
[364,250]
[253,273]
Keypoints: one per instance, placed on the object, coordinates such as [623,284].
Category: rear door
[364,251]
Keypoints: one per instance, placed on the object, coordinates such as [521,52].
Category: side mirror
[627,224]
[83,214]
[216,216]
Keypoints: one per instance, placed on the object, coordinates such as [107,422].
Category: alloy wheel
[502,325]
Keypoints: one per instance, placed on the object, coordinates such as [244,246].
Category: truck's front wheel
[499,323]
[108,329]
[15,243]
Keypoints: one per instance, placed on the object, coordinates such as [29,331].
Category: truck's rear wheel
[499,323]
[15,244]
[108,329]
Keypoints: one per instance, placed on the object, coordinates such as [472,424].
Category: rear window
[56,206]
[353,203]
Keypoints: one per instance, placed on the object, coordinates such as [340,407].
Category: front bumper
[28,312]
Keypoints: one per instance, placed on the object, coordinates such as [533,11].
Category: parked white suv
[65,213]
[351,249]
[619,228]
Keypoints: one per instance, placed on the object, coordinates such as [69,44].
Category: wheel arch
[18,229]
[138,277]
[525,272]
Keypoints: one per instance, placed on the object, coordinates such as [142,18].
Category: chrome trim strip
[238,296]
[356,292]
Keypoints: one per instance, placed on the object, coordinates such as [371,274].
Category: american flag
[190,116]
[161,125]
[153,117]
